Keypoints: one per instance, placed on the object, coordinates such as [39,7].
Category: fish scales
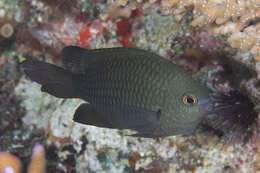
[127,89]
[124,79]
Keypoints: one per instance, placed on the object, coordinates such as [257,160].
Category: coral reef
[9,163]
[11,15]
[37,164]
[42,27]
[12,164]
[248,39]
[240,18]
[91,149]
[10,110]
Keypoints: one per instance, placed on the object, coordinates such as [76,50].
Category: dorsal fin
[77,59]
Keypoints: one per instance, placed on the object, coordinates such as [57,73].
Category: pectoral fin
[74,59]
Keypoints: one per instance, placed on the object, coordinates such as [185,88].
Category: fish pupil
[190,100]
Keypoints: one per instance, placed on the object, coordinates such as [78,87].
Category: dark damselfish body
[126,88]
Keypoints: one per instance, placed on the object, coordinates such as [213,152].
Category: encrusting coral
[240,18]
[12,164]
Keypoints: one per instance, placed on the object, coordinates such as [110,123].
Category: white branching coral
[248,39]
[239,18]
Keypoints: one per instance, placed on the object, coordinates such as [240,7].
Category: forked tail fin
[54,80]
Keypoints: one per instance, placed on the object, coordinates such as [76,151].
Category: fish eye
[189,99]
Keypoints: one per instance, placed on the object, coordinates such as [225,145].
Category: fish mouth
[206,106]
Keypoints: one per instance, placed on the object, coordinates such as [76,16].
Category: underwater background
[216,41]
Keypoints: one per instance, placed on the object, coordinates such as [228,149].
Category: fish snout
[206,106]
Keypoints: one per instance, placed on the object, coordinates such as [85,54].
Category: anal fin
[86,114]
